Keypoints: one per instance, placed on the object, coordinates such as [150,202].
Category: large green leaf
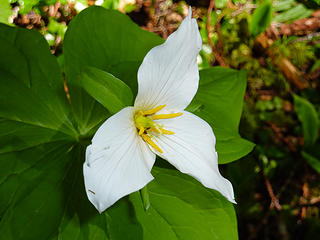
[219,101]
[309,119]
[32,86]
[36,133]
[180,208]
[107,40]
[111,92]
[261,18]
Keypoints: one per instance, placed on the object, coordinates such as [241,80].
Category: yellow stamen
[161,131]
[154,110]
[155,130]
[147,128]
[141,131]
[166,116]
[164,131]
[148,140]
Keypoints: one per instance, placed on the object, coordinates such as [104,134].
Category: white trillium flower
[124,149]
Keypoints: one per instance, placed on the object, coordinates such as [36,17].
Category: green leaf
[313,161]
[32,92]
[283,5]
[107,40]
[172,213]
[221,3]
[36,137]
[309,119]
[315,66]
[25,6]
[110,4]
[219,101]
[261,18]
[181,208]
[108,90]
[5,12]
[32,194]
[294,13]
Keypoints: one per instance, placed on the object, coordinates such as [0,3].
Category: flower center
[147,128]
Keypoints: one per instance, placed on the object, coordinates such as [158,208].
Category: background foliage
[51,105]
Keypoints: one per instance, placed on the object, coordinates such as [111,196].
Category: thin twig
[245,7]
[214,50]
[274,200]
[66,89]
[303,198]
[306,38]
[218,30]
[277,131]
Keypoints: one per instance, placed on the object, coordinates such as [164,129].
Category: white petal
[192,150]
[169,73]
[118,162]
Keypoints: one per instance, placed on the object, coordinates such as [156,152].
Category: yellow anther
[148,140]
[166,116]
[164,131]
[155,130]
[141,131]
[154,110]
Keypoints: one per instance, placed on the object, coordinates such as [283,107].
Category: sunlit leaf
[283,5]
[111,92]
[5,12]
[181,208]
[221,3]
[309,119]
[297,12]
[261,18]
[219,101]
